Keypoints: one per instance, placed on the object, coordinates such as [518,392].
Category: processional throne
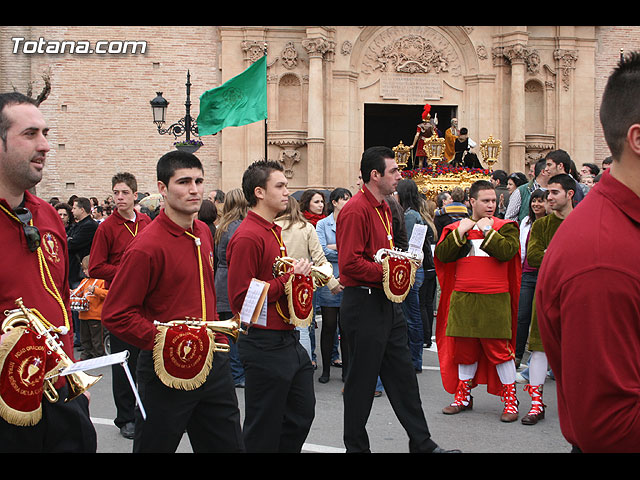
[440,176]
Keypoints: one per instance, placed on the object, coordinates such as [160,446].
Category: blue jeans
[413,315]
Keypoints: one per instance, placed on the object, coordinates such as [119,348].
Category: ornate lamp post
[490,149]
[185,126]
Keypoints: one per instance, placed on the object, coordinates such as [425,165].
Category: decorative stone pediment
[409,50]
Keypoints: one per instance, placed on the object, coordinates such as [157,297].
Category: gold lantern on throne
[434,148]
[403,152]
[490,150]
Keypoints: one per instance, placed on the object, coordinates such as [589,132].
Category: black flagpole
[266,119]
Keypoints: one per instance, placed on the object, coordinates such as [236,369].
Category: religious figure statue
[424,132]
[450,136]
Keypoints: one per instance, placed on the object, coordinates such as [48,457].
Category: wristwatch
[486,229]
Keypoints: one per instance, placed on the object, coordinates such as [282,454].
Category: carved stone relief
[409,50]
[566,62]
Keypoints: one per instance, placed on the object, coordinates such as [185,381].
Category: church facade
[332,92]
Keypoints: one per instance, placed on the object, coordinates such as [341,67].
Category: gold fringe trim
[11,415]
[293,320]
[174,382]
[386,278]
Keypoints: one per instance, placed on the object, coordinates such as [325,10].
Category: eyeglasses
[31,233]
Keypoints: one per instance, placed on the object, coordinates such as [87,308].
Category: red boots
[462,400]
[537,407]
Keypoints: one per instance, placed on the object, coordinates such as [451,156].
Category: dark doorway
[388,124]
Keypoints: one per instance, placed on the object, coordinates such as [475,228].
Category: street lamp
[185,126]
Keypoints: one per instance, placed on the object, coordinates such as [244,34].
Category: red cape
[486,373]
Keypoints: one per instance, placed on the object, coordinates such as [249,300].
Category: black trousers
[209,414]
[376,334]
[123,397]
[64,428]
[279,396]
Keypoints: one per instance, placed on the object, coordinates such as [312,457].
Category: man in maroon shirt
[166,274]
[374,327]
[35,268]
[109,243]
[279,395]
[589,311]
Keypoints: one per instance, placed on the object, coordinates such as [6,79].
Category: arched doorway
[389,124]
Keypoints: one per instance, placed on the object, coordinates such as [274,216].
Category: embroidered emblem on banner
[398,276]
[299,290]
[183,355]
[25,361]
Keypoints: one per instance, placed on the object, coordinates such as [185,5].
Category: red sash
[493,273]
[447,272]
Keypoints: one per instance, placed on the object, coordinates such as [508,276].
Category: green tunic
[479,315]
[542,232]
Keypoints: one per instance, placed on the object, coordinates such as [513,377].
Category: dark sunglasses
[31,233]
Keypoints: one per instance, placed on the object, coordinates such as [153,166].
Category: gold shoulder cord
[44,268]
[202,295]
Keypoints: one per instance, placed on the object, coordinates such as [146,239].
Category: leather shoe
[323,378]
[442,450]
[453,409]
[128,430]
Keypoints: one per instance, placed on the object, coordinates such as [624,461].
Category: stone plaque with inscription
[410,88]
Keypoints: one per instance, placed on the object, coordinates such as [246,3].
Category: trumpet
[321,274]
[416,257]
[229,327]
[78,382]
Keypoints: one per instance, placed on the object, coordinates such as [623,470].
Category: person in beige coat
[301,240]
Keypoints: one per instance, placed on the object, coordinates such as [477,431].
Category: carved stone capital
[317,47]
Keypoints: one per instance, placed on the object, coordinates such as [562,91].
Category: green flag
[239,101]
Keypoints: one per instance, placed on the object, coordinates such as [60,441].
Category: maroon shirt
[111,239]
[251,253]
[158,279]
[361,230]
[21,276]
[588,307]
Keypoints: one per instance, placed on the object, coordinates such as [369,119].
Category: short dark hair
[593,168]
[560,157]
[127,178]
[500,176]
[479,185]
[11,98]
[620,102]
[256,175]
[338,194]
[373,158]
[174,160]
[565,181]
[607,161]
[539,167]
[84,203]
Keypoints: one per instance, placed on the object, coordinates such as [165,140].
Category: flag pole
[266,119]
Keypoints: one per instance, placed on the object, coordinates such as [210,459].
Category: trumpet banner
[398,276]
[183,355]
[25,362]
[299,290]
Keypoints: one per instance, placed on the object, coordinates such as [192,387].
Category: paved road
[476,431]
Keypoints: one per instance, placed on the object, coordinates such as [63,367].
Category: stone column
[316,48]
[516,55]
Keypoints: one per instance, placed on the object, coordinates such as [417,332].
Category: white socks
[467,372]
[506,371]
[538,366]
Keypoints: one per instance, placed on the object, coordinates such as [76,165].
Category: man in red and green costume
[478,266]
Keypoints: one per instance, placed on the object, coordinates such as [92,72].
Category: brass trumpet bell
[321,274]
[78,382]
